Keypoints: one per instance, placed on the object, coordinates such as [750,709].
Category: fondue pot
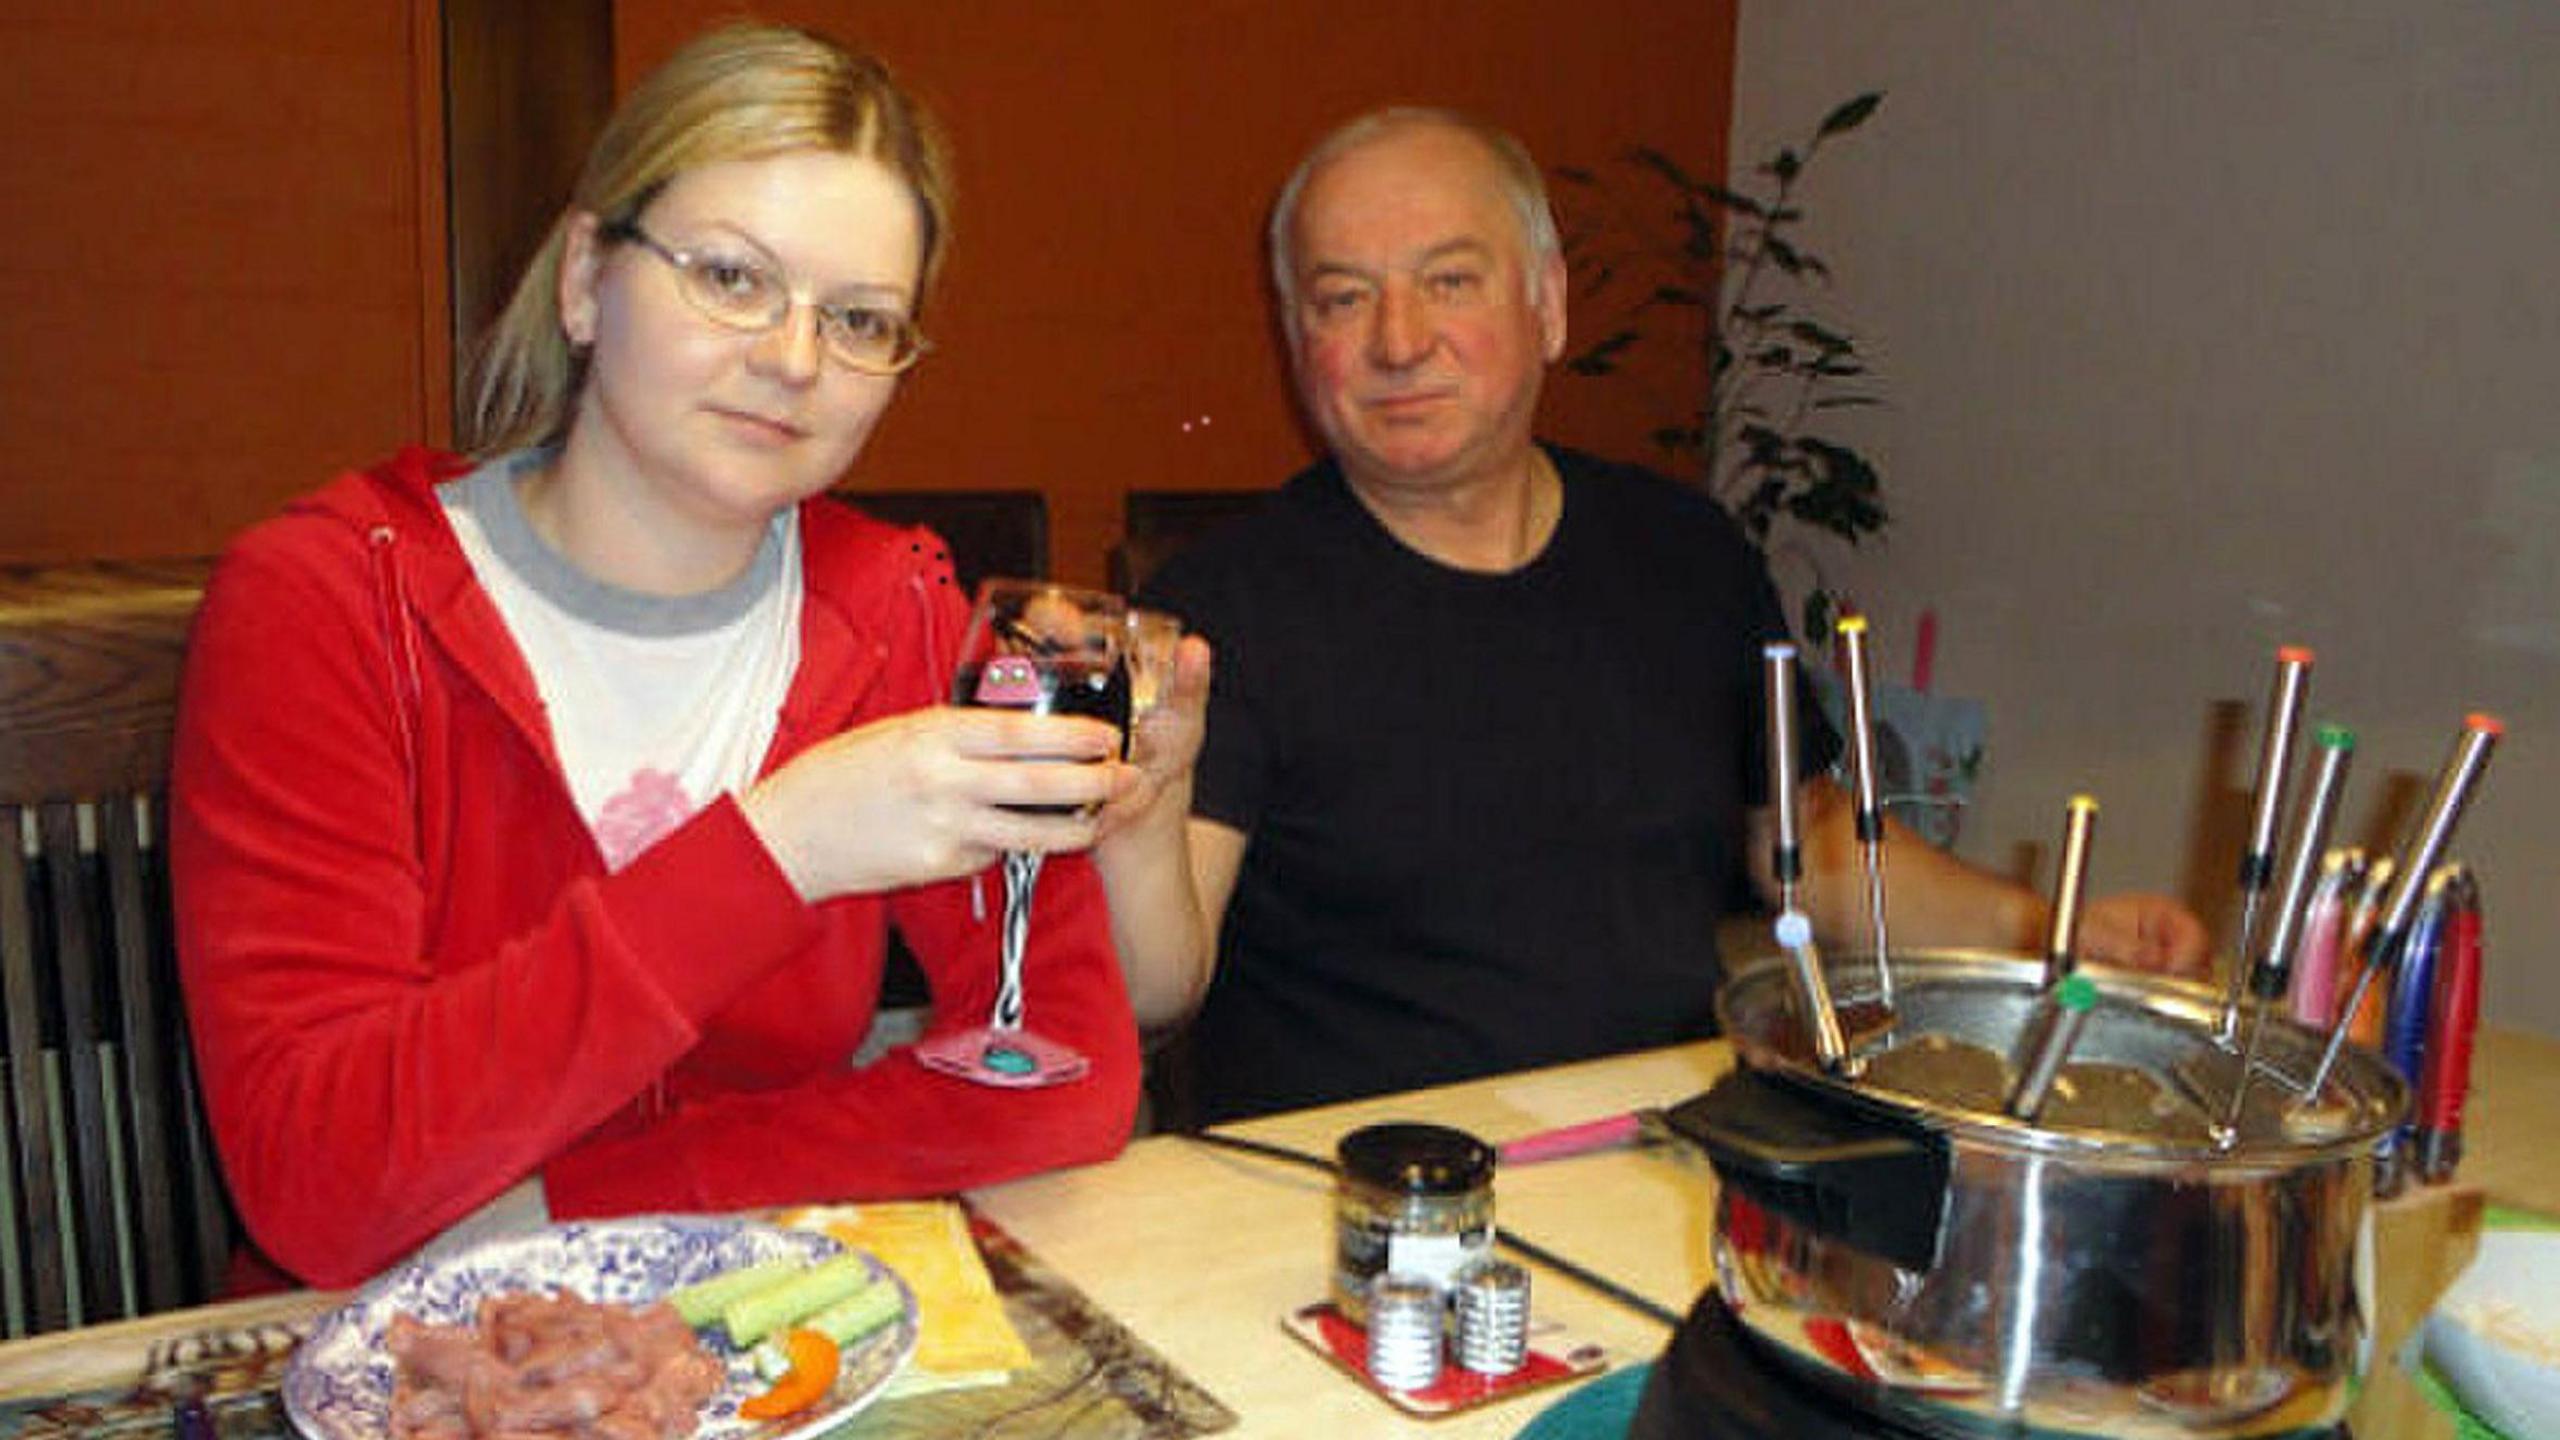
[2113,1268]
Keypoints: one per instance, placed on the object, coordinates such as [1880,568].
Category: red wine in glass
[1050,685]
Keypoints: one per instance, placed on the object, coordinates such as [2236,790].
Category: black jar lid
[1416,1159]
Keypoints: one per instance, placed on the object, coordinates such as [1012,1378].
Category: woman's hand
[930,795]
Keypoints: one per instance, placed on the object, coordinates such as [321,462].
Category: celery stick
[844,1322]
[749,1318]
[702,1301]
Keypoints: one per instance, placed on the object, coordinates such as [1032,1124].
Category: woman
[539,819]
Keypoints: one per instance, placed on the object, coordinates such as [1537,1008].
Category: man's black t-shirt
[1492,819]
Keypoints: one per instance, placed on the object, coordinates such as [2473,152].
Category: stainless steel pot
[2107,1271]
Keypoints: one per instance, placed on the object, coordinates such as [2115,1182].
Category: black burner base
[1713,1383]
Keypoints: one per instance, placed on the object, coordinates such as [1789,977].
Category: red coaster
[1554,1356]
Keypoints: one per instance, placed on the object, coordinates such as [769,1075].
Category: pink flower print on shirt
[650,806]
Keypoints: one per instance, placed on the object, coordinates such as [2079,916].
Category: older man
[1485,742]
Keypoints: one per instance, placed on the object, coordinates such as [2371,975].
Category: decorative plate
[338,1385]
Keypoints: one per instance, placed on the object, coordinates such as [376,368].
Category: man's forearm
[1932,899]
[1156,919]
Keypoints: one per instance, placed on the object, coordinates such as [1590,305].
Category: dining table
[1201,1250]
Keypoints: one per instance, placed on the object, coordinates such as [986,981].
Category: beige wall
[2208,328]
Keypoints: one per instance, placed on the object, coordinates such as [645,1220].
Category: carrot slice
[814,1361]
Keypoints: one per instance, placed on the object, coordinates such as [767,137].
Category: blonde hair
[735,93]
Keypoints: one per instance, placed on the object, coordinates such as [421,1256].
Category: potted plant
[1777,369]
[1741,282]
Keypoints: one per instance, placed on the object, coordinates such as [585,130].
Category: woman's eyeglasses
[742,288]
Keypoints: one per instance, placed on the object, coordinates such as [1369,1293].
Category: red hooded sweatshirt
[413,983]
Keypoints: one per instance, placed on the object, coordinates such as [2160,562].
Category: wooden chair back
[111,1202]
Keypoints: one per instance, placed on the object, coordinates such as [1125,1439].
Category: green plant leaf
[1700,228]
[1830,341]
[1821,612]
[1850,114]
[1840,494]
[1601,358]
[1669,169]
[1785,165]
[1731,199]
[1678,439]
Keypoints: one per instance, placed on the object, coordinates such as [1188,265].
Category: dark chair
[1157,524]
[991,532]
[111,1202]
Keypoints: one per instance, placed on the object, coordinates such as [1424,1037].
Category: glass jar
[1409,1200]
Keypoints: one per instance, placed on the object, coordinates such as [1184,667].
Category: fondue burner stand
[1716,1383]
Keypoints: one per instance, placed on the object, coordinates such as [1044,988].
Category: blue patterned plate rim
[337,1386]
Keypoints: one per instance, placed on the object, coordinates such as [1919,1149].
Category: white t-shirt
[657,703]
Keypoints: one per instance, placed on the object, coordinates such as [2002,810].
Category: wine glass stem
[1021,873]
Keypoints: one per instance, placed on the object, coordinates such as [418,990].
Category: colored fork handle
[2452,1022]
[1571,1140]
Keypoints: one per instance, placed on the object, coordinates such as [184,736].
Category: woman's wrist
[770,814]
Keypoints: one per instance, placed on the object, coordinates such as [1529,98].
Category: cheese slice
[963,1336]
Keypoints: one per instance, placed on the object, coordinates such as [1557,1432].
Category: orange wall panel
[225,274]
[223,268]
[1104,323]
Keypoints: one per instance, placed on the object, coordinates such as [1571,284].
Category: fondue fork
[2314,995]
[1786,862]
[1813,993]
[2068,1002]
[2454,784]
[2061,955]
[2364,915]
[1794,931]
[2453,1017]
[2266,805]
[1862,758]
[2404,1023]
[2271,969]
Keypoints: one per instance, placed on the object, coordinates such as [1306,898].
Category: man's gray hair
[1517,172]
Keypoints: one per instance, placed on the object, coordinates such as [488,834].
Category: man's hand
[2137,931]
[1165,743]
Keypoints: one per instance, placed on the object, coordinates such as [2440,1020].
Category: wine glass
[1153,636]
[1051,650]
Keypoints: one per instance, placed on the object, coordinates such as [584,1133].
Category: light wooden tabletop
[1204,1255]
[1201,1251]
